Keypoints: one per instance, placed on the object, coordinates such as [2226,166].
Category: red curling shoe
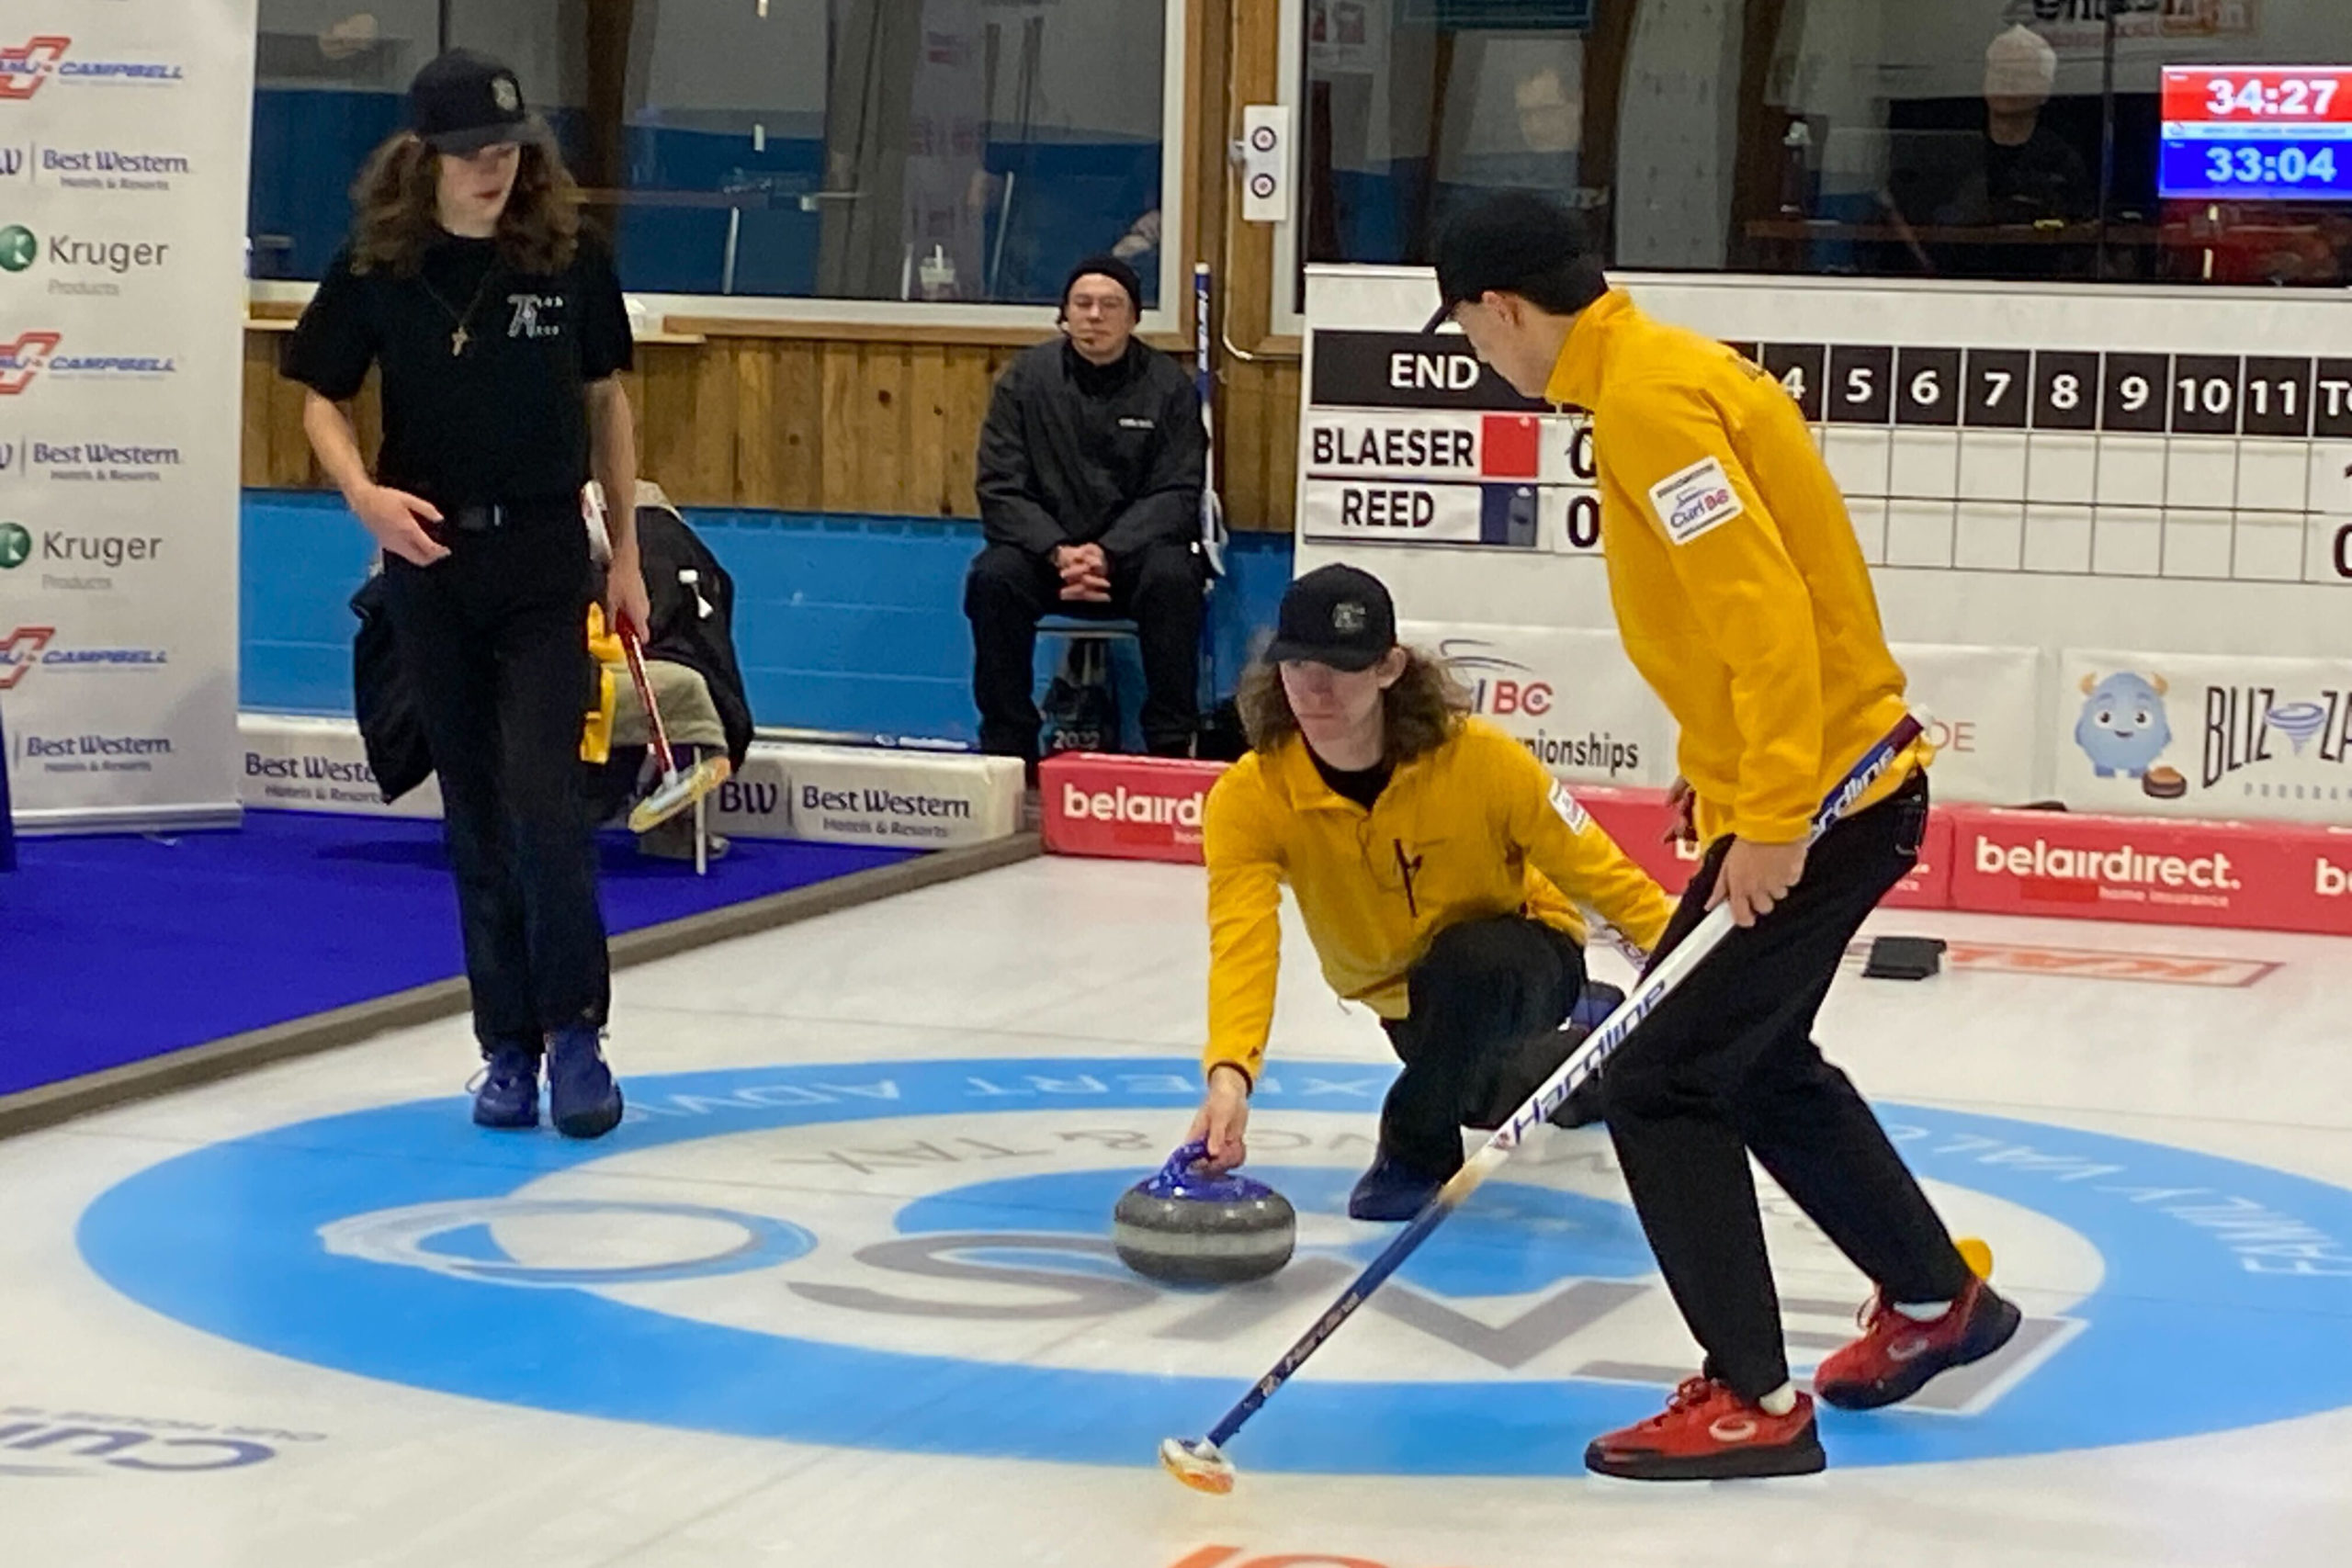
[1897,1354]
[1709,1433]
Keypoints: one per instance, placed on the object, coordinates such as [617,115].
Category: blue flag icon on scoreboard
[1506,515]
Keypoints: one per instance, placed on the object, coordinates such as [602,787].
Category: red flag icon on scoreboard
[1510,446]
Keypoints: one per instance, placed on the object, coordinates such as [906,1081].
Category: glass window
[330,77]
[942,150]
[1409,112]
[1964,138]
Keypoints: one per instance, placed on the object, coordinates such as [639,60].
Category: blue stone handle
[1180,1179]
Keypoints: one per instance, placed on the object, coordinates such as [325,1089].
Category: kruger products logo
[16,546]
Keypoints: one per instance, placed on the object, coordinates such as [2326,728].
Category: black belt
[491,517]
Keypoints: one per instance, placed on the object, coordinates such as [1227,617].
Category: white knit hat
[2020,64]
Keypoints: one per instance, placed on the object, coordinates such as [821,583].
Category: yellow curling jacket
[1473,829]
[1740,590]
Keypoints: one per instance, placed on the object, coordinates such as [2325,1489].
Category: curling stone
[1184,1227]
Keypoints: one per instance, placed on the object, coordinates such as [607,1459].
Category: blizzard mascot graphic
[2123,729]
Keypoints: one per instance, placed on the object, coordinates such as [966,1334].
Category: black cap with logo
[1506,241]
[466,101]
[1335,616]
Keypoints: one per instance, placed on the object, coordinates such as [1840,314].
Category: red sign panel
[2257,95]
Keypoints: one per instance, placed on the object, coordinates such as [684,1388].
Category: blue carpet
[120,948]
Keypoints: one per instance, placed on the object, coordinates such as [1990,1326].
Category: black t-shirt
[1362,786]
[499,417]
[2041,178]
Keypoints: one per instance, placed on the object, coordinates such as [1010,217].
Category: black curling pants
[1486,1003]
[1008,590]
[1726,1066]
[494,639]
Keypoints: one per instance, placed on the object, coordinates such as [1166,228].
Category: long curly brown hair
[1420,713]
[394,203]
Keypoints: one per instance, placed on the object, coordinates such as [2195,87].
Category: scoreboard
[2257,133]
[2033,472]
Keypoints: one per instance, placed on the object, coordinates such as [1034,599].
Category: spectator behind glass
[1091,466]
[2016,174]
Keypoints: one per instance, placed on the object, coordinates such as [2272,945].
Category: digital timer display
[2256,132]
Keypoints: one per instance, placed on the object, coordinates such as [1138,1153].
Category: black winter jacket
[1074,453]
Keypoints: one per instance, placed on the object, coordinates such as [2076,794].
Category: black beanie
[1111,267]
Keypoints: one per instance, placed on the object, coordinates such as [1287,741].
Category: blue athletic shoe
[1390,1192]
[582,1098]
[1592,1008]
[509,1096]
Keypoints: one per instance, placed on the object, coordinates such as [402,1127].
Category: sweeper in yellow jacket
[1438,870]
[1743,598]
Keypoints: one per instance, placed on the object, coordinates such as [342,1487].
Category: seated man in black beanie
[1091,468]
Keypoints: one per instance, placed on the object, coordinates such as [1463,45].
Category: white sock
[1780,1401]
[1923,1312]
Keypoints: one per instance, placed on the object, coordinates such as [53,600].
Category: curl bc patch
[1695,500]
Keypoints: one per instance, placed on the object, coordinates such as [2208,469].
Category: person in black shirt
[499,329]
[1091,468]
[2018,175]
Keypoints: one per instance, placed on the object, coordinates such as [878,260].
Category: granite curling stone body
[1184,1227]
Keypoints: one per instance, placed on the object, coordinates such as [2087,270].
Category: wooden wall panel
[926,479]
[970,385]
[810,426]
[800,424]
[838,457]
[882,463]
[1278,502]
[261,369]
[758,445]
[1258,410]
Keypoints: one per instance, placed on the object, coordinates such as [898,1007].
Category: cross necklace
[458,339]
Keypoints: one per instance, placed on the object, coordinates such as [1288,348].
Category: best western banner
[2206,736]
[123,150]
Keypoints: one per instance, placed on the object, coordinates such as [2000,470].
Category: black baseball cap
[465,101]
[1335,616]
[1506,243]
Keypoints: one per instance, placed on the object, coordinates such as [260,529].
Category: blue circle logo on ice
[915,1256]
